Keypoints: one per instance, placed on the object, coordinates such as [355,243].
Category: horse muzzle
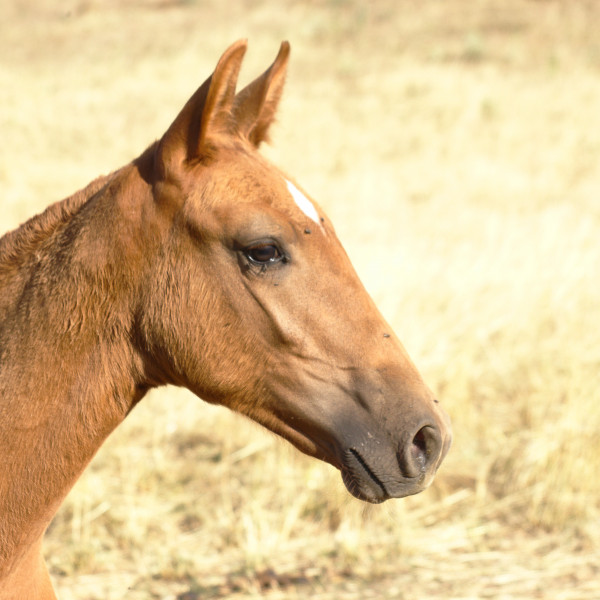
[374,469]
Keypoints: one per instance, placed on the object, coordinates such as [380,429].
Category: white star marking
[304,204]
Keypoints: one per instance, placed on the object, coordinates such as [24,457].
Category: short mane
[29,235]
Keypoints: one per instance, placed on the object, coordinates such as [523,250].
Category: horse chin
[366,493]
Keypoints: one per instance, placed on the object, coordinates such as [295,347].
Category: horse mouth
[360,480]
[363,482]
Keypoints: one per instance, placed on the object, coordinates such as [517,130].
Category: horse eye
[264,254]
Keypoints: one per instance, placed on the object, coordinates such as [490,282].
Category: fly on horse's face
[284,331]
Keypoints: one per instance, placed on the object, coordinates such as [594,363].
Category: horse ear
[206,114]
[255,106]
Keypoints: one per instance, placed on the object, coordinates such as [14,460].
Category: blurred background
[456,146]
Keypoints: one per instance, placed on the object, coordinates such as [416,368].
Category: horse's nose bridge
[405,406]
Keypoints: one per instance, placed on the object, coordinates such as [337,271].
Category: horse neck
[69,373]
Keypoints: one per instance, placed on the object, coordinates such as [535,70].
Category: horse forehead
[249,173]
[302,202]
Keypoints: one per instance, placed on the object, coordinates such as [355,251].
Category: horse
[199,264]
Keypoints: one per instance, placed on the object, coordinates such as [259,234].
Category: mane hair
[22,241]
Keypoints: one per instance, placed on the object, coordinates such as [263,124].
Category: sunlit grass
[455,147]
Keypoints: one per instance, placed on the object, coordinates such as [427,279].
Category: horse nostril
[419,450]
[423,450]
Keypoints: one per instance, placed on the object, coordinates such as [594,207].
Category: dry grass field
[456,146]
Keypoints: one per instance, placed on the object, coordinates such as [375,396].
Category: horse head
[251,301]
